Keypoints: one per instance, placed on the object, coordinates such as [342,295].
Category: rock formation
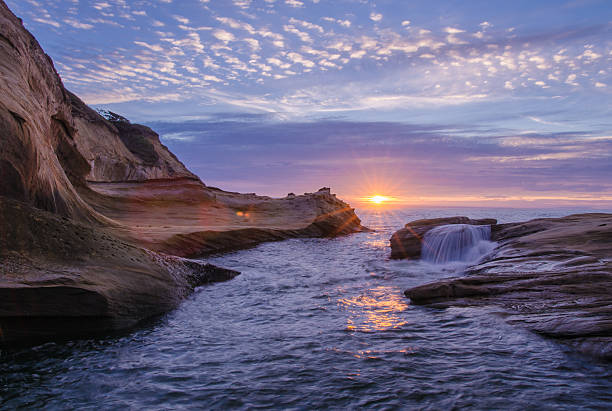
[96,214]
[118,150]
[408,242]
[553,276]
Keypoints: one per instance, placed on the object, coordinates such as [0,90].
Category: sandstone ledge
[552,276]
[60,278]
[95,213]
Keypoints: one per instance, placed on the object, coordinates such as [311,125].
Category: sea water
[457,243]
[310,324]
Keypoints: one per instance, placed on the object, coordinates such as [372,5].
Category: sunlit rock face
[85,203]
[118,150]
[408,242]
[39,163]
[51,141]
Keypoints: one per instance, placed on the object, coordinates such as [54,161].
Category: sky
[497,103]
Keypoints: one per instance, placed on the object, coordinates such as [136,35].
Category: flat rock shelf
[551,275]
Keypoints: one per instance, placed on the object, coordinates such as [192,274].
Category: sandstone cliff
[96,213]
[39,163]
[118,150]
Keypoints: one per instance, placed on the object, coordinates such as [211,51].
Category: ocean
[316,323]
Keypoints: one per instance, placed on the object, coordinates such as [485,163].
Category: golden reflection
[375,310]
[378,242]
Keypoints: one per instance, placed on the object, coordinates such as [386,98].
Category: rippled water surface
[315,324]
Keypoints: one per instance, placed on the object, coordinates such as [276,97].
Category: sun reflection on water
[376,309]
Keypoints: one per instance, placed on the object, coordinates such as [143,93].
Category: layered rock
[95,213]
[408,242]
[62,278]
[119,151]
[330,217]
[553,276]
[39,163]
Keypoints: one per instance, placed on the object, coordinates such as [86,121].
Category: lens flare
[378,199]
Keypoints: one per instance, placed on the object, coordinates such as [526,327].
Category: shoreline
[80,255]
[549,275]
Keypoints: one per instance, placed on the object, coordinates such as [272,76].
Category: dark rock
[202,273]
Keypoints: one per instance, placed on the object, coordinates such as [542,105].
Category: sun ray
[378,199]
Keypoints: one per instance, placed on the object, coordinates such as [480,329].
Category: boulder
[408,242]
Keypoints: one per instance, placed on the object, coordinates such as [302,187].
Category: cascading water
[457,242]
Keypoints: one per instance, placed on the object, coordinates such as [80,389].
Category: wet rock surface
[552,276]
[408,242]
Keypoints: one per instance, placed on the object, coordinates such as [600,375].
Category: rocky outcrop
[95,213]
[408,242]
[553,276]
[61,278]
[340,221]
[52,142]
[119,151]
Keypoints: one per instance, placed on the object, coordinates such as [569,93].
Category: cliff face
[81,196]
[39,162]
[52,141]
[118,150]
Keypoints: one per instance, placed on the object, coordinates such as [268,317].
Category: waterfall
[457,242]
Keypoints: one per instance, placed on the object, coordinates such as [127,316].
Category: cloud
[571,80]
[343,23]
[437,158]
[243,4]
[78,25]
[305,37]
[376,16]
[299,59]
[242,58]
[235,24]
[253,43]
[223,35]
[294,3]
[279,63]
[181,19]
[47,21]
[153,47]
[453,30]
[307,25]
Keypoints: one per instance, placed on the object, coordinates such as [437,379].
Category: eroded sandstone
[552,276]
[96,213]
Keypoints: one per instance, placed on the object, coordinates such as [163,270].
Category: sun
[378,199]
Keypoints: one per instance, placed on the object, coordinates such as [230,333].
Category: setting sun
[377,199]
